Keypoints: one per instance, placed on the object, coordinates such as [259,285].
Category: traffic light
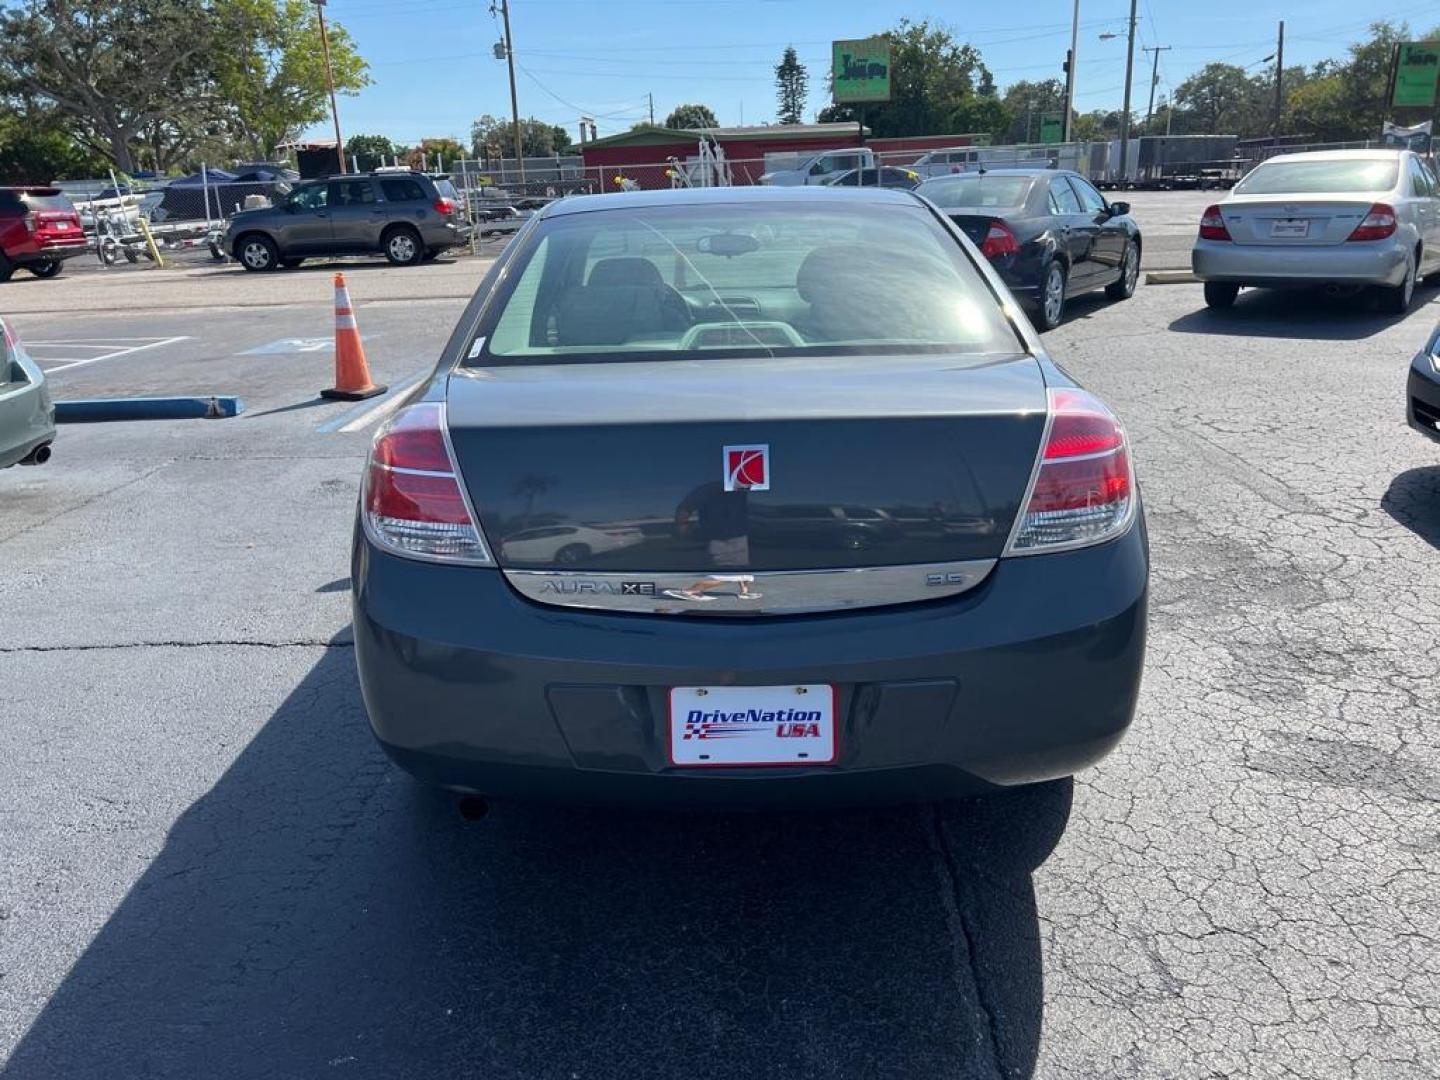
[1065,67]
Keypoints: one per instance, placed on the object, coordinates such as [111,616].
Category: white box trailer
[961,159]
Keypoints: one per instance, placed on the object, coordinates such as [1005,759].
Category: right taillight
[1212,225]
[1084,488]
[1377,225]
[413,503]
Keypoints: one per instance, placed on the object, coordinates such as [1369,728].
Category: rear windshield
[954,191]
[1306,177]
[446,189]
[45,202]
[742,279]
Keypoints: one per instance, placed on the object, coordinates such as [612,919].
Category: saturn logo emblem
[747,468]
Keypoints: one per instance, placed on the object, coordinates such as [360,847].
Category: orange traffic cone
[352,371]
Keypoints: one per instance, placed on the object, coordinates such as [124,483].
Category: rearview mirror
[1118,208]
[727,245]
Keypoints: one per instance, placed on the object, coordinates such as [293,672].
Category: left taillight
[999,240]
[1084,487]
[413,502]
[445,206]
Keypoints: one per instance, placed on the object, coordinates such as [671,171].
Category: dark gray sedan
[1049,234]
[837,528]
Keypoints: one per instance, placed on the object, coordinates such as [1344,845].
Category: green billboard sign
[1417,67]
[1052,127]
[861,71]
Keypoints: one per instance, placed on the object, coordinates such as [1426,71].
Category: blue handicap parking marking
[286,346]
[292,345]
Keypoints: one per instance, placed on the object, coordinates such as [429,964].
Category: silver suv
[406,216]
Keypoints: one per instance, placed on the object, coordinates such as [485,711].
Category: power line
[568,104]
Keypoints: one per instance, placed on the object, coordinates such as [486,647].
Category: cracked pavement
[207,868]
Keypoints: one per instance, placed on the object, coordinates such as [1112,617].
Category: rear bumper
[1030,676]
[27,420]
[447,234]
[1375,263]
[1422,397]
[39,254]
[1021,275]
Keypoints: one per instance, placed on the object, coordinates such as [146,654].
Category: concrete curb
[105,410]
[1170,277]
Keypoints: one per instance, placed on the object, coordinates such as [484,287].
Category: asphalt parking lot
[208,869]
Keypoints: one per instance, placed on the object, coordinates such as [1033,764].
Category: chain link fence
[189,214]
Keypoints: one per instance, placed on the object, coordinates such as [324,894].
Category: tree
[369,151]
[1026,104]
[691,117]
[493,137]
[933,80]
[980,113]
[792,87]
[174,81]
[270,70]
[1345,99]
[434,153]
[110,68]
[1222,99]
[36,150]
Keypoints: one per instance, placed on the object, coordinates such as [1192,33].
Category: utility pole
[1154,78]
[651,98]
[1125,113]
[1279,78]
[514,101]
[1070,59]
[330,81]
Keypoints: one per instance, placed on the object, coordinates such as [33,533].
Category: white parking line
[367,413]
[65,363]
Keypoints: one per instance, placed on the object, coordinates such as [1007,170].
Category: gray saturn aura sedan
[737,496]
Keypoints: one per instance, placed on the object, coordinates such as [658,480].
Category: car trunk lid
[868,461]
[1308,221]
[973,223]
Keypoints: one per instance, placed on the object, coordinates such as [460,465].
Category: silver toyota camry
[1339,217]
[27,416]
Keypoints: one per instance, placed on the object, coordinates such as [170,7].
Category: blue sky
[434,69]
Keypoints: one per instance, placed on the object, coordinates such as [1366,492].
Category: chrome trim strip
[737,592]
[401,471]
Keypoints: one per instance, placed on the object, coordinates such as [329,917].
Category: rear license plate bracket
[744,726]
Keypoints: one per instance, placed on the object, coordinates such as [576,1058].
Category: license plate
[1291,228]
[752,725]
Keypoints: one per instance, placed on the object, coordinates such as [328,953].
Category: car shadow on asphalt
[316,911]
[1086,305]
[1297,314]
[1413,500]
[326,265]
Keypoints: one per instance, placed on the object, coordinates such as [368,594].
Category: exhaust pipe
[473,807]
[39,456]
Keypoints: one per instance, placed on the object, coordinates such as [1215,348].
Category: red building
[644,151]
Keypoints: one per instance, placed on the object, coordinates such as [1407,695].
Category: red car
[39,230]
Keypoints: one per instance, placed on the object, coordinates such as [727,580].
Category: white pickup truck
[820,167]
